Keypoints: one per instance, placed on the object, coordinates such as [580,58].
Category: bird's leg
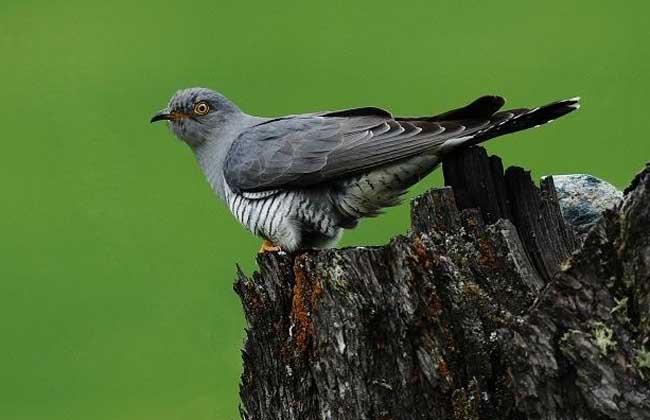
[268,246]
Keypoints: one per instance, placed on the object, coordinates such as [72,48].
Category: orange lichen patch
[472,224]
[435,304]
[305,295]
[300,310]
[443,370]
[488,257]
[317,291]
[447,336]
[421,252]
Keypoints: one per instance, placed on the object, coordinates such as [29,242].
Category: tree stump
[488,309]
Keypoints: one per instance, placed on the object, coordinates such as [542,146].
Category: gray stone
[583,198]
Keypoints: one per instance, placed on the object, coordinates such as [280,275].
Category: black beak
[161,116]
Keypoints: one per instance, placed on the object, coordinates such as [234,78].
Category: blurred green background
[116,261]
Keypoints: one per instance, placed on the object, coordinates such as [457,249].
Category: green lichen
[566,264]
[642,361]
[567,343]
[621,305]
[603,338]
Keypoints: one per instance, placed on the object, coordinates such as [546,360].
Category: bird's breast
[261,213]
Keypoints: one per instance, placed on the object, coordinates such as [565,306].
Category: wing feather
[303,150]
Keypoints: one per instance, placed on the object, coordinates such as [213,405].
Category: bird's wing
[305,150]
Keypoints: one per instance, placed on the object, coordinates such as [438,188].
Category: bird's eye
[201,108]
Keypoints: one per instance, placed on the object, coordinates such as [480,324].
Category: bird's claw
[268,246]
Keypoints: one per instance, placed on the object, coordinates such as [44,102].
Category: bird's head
[196,115]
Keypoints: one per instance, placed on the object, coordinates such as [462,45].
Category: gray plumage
[299,180]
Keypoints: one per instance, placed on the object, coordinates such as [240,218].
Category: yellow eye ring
[201,108]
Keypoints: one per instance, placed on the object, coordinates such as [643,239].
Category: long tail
[502,122]
[521,119]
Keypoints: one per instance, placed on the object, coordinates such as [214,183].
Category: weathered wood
[583,351]
[478,181]
[435,211]
[538,218]
[476,314]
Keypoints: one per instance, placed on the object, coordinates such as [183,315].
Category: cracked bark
[488,309]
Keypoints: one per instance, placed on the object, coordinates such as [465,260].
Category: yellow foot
[268,246]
